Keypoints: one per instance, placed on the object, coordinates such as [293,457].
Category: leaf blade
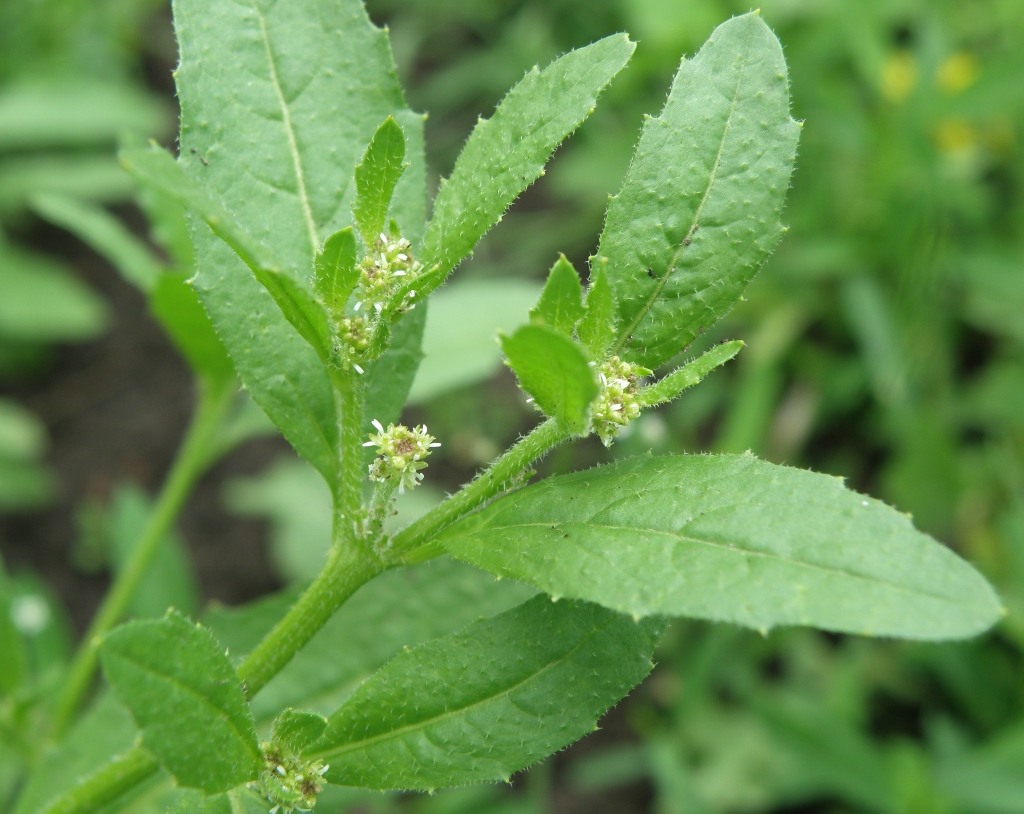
[377,176]
[481,704]
[185,695]
[507,152]
[556,373]
[728,538]
[684,237]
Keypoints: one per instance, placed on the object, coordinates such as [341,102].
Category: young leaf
[297,730]
[275,114]
[682,378]
[334,270]
[597,329]
[699,210]
[506,153]
[561,303]
[376,178]
[556,373]
[182,690]
[728,538]
[479,705]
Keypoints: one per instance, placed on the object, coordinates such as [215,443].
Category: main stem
[351,561]
[192,459]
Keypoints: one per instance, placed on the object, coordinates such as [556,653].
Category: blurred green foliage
[71,84]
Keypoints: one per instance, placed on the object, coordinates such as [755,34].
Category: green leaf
[556,373]
[174,303]
[507,153]
[728,538]
[296,730]
[156,168]
[685,377]
[105,234]
[182,690]
[561,303]
[699,210]
[597,329]
[376,178]
[278,102]
[334,272]
[399,609]
[236,801]
[13,662]
[479,705]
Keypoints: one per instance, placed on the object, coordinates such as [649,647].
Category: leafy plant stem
[192,460]
[349,393]
[346,570]
[107,784]
[414,544]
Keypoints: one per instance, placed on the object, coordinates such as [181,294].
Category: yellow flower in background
[957,72]
[954,135]
[899,76]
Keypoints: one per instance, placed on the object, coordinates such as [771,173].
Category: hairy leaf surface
[699,210]
[278,102]
[180,686]
[481,704]
[561,303]
[729,538]
[556,373]
[507,153]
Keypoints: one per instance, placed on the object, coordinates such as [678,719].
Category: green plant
[288,126]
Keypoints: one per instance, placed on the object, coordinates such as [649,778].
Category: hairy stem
[106,784]
[192,460]
[415,542]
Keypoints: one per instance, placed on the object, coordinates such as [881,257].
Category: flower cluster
[287,781]
[616,404]
[383,269]
[401,454]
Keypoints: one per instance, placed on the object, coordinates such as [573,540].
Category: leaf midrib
[768,555]
[286,119]
[450,713]
[673,264]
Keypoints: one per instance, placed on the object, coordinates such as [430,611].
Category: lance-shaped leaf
[729,538]
[507,153]
[685,377]
[376,178]
[561,302]
[278,103]
[478,705]
[556,373]
[180,686]
[699,210]
[335,273]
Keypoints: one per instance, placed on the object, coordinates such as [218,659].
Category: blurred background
[885,344]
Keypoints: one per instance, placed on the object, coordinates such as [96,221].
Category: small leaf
[186,697]
[698,213]
[682,378]
[334,270]
[506,153]
[561,303]
[376,178]
[296,731]
[597,329]
[556,373]
[728,538]
[478,705]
